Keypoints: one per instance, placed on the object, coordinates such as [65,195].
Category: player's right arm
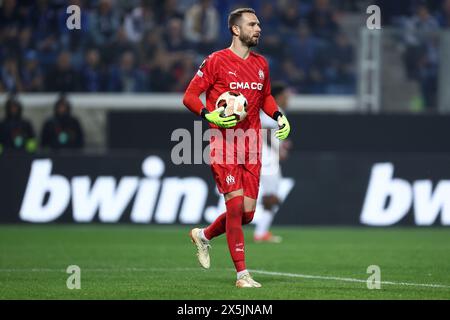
[203,79]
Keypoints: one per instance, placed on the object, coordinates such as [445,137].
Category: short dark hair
[278,87]
[235,15]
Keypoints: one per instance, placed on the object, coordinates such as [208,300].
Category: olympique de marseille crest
[261,74]
[230,179]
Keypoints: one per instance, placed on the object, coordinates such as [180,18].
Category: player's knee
[234,194]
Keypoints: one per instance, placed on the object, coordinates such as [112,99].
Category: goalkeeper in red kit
[239,69]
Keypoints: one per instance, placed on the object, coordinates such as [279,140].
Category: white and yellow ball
[234,103]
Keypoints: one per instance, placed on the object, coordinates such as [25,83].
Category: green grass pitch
[159,262]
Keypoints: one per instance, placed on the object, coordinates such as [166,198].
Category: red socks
[235,236]
[231,222]
[217,228]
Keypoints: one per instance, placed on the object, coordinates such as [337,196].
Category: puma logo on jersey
[233,73]
[246,85]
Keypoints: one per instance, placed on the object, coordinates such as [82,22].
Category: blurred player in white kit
[273,151]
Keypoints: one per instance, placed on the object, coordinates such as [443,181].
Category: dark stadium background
[125,70]
[369,113]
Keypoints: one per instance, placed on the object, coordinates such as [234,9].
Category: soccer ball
[235,104]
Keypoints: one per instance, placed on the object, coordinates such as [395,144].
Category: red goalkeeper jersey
[225,71]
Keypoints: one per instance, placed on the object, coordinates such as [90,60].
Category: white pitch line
[99,269]
[307,276]
[282,274]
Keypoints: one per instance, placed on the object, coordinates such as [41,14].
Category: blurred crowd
[156,46]
[420,23]
[421,41]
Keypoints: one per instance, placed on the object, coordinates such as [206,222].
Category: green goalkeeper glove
[284,128]
[216,118]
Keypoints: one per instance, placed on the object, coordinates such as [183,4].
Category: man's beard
[248,40]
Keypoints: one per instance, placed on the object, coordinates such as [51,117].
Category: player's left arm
[271,109]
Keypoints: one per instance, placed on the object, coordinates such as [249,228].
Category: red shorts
[232,177]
